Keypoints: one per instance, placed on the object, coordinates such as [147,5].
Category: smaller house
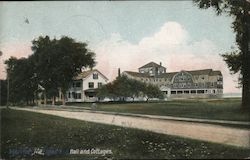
[84,87]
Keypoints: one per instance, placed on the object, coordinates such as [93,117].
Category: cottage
[84,86]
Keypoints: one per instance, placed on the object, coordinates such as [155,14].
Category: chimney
[160,63]
[119,72]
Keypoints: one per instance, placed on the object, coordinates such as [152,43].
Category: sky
[124,34]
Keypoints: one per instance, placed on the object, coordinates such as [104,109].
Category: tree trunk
[63,99]
[53,100]
[246,66]
[45,99]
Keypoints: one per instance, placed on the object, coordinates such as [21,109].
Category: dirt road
[207,132]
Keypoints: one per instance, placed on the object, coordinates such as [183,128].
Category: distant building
[84,86]
[184,84]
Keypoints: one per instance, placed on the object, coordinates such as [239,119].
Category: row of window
[188,85]
[192,92]
[154,80]
[75,95]
[76,84]
[92,84]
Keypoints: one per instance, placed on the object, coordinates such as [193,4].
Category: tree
[3,90]
[152,91]
[123,87]
[58,61]
[22,80]
[237,61]
[52,66]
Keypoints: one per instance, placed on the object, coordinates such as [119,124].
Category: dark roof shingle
[151,64]
[171,74]
[85,74]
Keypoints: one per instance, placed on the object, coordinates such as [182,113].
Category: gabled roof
[171,74]
[151,64]
[215,73]
[85,74]
[137,74]
[200,72]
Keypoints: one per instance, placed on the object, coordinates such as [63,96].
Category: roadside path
[206,132]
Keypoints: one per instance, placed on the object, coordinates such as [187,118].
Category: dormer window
[95,76]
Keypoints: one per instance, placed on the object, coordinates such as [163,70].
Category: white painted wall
[85,86]
[88,79]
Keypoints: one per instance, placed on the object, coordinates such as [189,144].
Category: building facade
[84,86]
[205,83]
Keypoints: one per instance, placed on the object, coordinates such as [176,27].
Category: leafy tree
[123,87]
[52,65]
[58,61]
[237,61]
[22,80]
[106,91]
[3,90]
[152,91]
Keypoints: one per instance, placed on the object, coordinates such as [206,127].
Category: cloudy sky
[124,34]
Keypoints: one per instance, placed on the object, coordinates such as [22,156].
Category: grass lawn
[27,130]
[220,109]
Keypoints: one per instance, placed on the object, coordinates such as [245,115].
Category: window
[77,84]
[99,84]
[193,91]
[186,92]
[91,84]
[74,95]
[69,95]
[173,92]
[200,91]
[179,92]
[95,76]
[78,95]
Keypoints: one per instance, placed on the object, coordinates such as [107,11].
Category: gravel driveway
[206,132]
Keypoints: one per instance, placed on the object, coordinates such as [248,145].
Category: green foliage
[237,60]
[22,80]
[123,87]
[52,65]
[3,91]
[233,60]
[152,91]
[238,9]
[58,61]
